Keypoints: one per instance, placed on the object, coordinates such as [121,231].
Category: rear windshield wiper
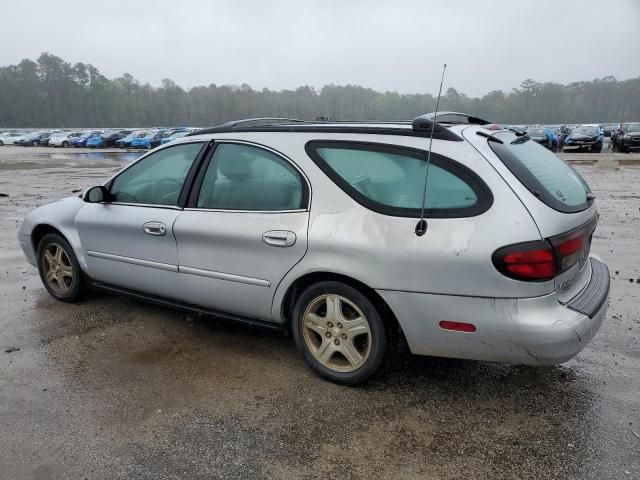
[517,132]
[488,136]
[519,140]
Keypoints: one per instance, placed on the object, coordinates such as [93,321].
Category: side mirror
[96,194]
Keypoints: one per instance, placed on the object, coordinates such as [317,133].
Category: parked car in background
[282,220]
[7,138]
[538,135]
[107,139]
[608,128]
[144,141]
[63,139]
[175,136]
[81,141]
[31,139]
[156,140]
[630,138]
[126,141]
[44,141]
[584,137]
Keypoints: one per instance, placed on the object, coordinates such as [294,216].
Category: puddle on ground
[117,156]
[38,160]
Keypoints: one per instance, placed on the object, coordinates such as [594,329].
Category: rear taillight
[570,251]
[542,260]
[530,261]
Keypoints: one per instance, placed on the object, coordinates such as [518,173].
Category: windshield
[586,131]
[545,175]
[536,131]
[633,127]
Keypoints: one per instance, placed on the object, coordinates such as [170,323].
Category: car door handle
[154,228]
[279,238]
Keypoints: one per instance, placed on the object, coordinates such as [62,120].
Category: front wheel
[59,269]
[65,144]
[339,332]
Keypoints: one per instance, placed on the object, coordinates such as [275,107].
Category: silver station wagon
[315,229]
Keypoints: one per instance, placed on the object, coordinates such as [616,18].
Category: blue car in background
[107,139]
[126,141]
[81,141]
[94,142]
[144,141]
[584,137]
[175,135]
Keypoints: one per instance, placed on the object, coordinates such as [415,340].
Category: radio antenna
[421,226]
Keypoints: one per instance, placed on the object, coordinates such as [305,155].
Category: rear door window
[390,179]
[544,174]
[248,178]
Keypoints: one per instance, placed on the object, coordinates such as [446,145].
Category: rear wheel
[340,333]
[1,144]
[65,144]
[59,269]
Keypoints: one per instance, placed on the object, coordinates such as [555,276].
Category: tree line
[51,92]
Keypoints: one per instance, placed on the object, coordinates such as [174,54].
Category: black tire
[77,288]
[1,144]
[65,144]
[34,143]
[378,338]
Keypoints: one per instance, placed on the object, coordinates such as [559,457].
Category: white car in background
[63,139]
[7,138]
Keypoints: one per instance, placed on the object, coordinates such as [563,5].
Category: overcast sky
[386,45]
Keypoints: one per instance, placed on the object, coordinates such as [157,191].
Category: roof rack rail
[425,124]
[421,127]
[260,121]
[455,118]
[248,122]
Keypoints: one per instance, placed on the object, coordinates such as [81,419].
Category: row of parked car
[127,138]
[625,137]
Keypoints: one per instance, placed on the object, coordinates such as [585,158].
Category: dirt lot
[116,389]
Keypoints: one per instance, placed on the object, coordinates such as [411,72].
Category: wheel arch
[296,288]
[42,229]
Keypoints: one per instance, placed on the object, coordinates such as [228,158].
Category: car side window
[158,178]
[243,177]
[390,179]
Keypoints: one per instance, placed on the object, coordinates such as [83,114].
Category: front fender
[60,215]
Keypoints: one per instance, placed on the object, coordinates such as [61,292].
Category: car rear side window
[544,174]
[389,179]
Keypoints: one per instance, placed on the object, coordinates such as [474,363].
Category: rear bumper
[533,331]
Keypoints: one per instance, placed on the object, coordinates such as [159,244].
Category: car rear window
[390,179]
[544,174]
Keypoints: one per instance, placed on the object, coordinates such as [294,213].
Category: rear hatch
[560,203]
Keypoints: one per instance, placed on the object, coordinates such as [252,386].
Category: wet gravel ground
[117,389]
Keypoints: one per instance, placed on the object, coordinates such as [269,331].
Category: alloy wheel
[57,269]
[337,333]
